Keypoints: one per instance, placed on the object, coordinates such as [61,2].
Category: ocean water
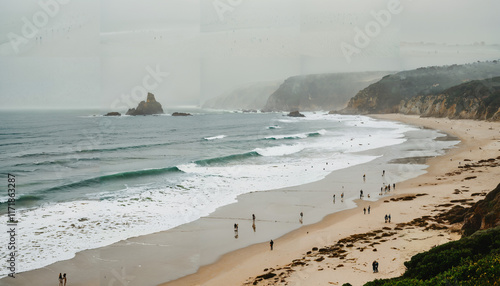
[84,181]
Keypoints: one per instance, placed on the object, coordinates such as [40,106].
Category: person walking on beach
[342,196]
[375,266]
[301,215]
[333,198]
[360,194]
[389,218]
[364,210]
[383,172]
[368,209]
[393,186]
[271,243]
[64,279]
[386,218]
[60,280]
[253,217]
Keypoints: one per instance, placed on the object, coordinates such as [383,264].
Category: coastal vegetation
[472,260]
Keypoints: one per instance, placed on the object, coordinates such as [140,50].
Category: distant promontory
[148,107]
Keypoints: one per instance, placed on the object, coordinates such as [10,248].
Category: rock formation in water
[295,114]
[114,113]
[148,107]
[181,114]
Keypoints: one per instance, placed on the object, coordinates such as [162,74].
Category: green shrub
[473,260]
[428,264]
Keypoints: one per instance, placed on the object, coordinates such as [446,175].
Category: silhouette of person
[375,266]
[271,243]
[64,279]
[60,280]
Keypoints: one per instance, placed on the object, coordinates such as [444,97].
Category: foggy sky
[101,54]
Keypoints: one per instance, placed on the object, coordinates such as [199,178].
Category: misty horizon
[104,56]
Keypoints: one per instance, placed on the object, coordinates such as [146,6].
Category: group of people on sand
[341,197]
[387,188]
[62,279]
[388,218]
[271,243]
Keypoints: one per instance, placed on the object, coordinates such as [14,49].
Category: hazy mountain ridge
[319,91]
[395,93]
[250,96]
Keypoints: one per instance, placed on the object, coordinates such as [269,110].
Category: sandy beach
[357,239]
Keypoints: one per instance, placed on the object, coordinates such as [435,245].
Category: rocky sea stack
[296,114]
[113,114]
[181,114]
[148,107]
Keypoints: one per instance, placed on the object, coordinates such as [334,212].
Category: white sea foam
[215,137]
[296,136]
[279,150]
[274,127]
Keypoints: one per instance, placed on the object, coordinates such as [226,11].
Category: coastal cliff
[319,91]
[478,99]
[148,107]
[449,91]
[484,214]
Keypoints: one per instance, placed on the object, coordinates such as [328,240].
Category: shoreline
[244,265]
[140,261]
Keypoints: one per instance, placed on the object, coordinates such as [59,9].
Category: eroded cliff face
[442,106]
[448,91]
[478,99]
[319,92]
[484,214]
